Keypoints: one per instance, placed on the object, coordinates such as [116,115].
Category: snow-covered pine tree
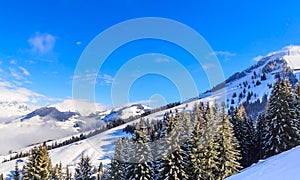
[172,166]
[210,151]
[229,154]
[185,130]
[39,164]
[244,131]
[297,101]
[83,171]
[260,132]
[68,175]
[140,166]
[16,173]
[197,145]
[57,172]
[115,166]
[282,132]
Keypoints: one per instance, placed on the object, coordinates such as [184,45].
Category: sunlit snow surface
[284,166]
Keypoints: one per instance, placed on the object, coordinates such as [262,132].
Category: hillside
[282,166]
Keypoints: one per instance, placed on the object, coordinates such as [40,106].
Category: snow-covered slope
[100,147]
[48,123]
[12,110]
[282,166]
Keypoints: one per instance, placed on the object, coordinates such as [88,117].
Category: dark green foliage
[244,131]
[282,131]
[17,173]
[83,170]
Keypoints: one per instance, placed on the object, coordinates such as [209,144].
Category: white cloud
[42,43]
[226,55]
[25,71]
[257,58]
[15,74]
[93,77]
[108,79]
[8,93]
[78,42]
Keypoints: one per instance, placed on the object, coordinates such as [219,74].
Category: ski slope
[284,166]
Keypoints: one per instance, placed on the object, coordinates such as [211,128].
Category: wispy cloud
[19,75]
[14,73]
[78,42]
[226,55]
[94,78]
[257,58]
[42,43]
[24,70]
[108,79]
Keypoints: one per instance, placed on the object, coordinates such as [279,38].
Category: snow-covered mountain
[12,110]
[57,121]
[82,107]
[251,84]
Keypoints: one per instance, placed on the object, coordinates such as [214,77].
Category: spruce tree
[68,174]
[229,154]
[172,164]
[115,166]
[260,132]
[39,164]
[282,132]
[17,173]
[297,102]
[83,171]
[244,131]
[197,146]
[140,166]
[211,152]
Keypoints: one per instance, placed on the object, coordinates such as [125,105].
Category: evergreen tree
[228,144]
[115,166]
[172,164]
[57,172]
[39,164]
[68,174]
[17,173]
[244,131]
[260,131]
[197,146]
[297,98]
[281,121]
[140,166]
[209,160]
[83,170]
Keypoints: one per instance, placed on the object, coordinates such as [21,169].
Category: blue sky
[41,42]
